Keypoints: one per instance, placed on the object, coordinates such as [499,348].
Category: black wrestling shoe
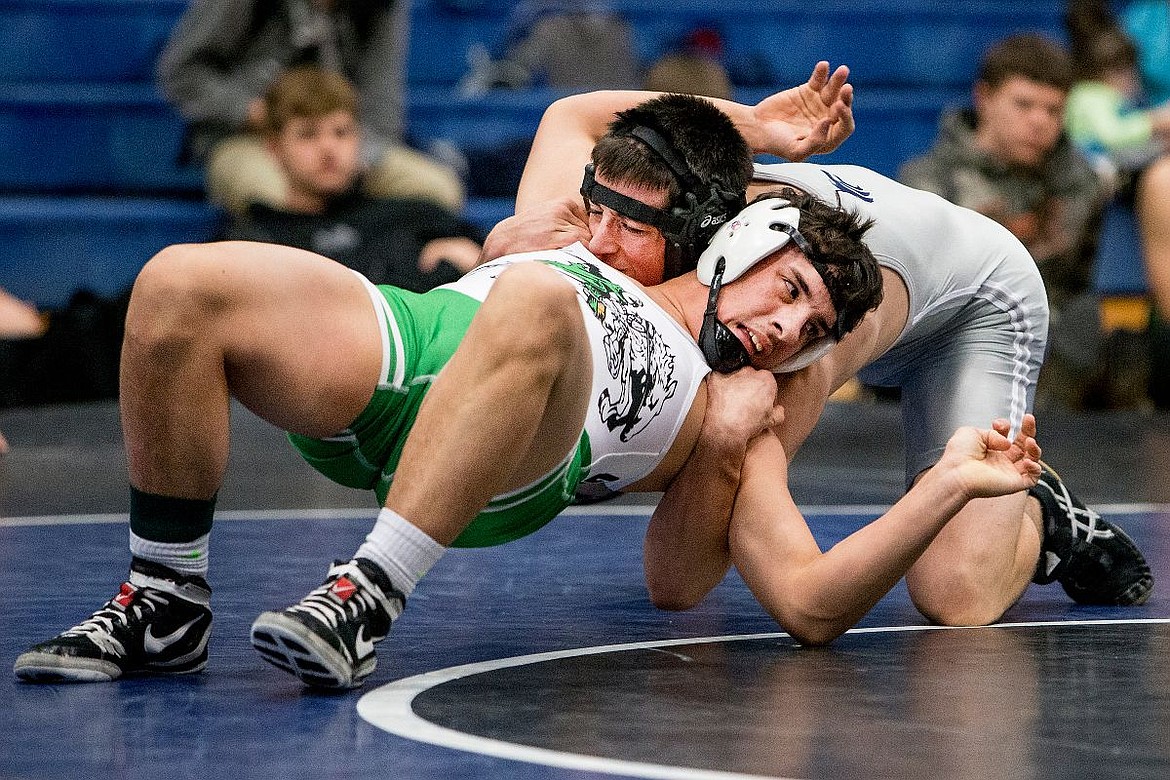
[159,622]
[327,639]
[1094,560]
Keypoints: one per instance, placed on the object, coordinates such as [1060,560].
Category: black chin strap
[721,349]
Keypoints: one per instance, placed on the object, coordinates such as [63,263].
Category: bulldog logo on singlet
[640,364]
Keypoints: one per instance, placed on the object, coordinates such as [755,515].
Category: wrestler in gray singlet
[977,326]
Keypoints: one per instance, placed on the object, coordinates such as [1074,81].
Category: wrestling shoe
[159,622]
[1093,559]
[327,639]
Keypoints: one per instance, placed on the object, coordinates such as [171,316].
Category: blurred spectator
[1148,24]
[694,67]
[19,319]
[62,355]
[1103,115]
[1107,118]
[563,44]
[224,54]
[1009,158]
[312,132]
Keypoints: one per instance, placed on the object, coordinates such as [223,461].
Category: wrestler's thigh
[298,332]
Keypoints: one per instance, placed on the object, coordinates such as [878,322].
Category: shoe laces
[1083,521]
[104,626]
[348,596]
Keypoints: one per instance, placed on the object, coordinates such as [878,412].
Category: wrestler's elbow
[674,601]
[674,594]
[810,626]
[815,633]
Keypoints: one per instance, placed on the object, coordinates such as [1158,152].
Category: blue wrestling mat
[545,659]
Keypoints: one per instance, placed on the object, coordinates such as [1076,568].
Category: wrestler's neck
[684,298]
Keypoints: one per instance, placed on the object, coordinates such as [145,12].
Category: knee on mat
[958,597]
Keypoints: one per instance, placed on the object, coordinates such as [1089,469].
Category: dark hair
[848,267]
[1030,55]
[699,132]
[682,144]
[1097,42]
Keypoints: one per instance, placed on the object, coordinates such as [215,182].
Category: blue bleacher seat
[52,246]
[92,138]
[885,42]
[83,41]
[90,187]
[1119,270]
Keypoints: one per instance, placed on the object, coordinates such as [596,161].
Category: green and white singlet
[646,371]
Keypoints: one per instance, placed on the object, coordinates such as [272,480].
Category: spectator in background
[18,320]
[61,355]
[693,67]
[224,54]
[1104,114]
[1106,118]
[1009,158]
[562,44]
[570,45]
[312,132]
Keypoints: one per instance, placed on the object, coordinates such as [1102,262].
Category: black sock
[167,519]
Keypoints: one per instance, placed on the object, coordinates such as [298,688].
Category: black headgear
[690,222]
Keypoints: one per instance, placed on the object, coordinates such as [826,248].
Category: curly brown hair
[848,267]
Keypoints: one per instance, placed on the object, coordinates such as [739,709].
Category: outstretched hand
[813,118]
[988,463]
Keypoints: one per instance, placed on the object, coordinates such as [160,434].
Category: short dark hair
[699,132]
[848,267]
[1030,55]
[684,145]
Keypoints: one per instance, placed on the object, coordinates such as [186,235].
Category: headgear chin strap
[721,349]
[757,232]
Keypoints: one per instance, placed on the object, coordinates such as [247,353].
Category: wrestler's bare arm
[816,596]
[686,552]
[812,118]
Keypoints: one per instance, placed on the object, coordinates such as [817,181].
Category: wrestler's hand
[986,463]
[740,406]
[553,225]
[3,445]
[813,118]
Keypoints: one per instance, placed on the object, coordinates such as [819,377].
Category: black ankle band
[167,519]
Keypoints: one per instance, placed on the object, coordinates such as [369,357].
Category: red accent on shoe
[125,594]
[343,588]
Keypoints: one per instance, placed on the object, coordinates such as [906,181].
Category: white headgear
[747,238]
[754,234]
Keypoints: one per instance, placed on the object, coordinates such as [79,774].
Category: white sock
[185,558]
[403,551]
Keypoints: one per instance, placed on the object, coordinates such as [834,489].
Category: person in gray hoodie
[224,54]
[1008,158]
